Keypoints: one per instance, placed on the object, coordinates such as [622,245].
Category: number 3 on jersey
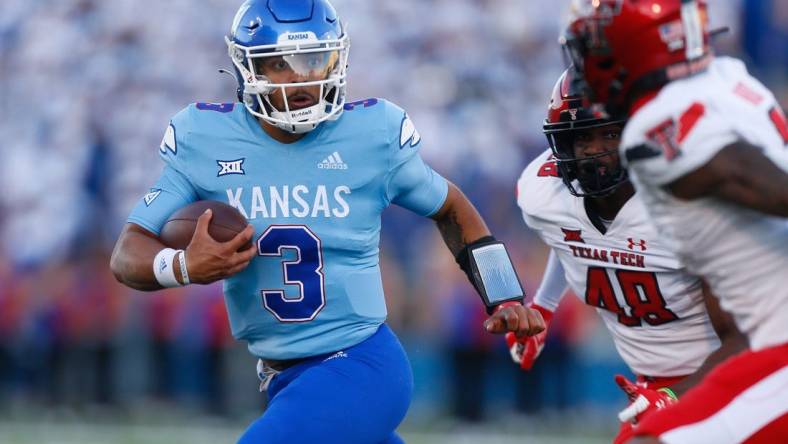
[641,293]
[305,272]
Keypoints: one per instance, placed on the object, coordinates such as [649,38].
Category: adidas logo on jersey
[332,162]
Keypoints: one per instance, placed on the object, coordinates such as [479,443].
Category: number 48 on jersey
[641,292]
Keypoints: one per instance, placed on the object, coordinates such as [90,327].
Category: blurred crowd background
[86,90]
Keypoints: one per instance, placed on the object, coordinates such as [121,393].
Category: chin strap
[297,127]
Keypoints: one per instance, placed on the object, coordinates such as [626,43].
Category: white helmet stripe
[693,29]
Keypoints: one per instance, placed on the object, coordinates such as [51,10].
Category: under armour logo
[572,235]
[572,113]
[632,244]
[230,167]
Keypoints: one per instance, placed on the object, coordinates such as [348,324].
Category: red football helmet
[624,48]
[568,113]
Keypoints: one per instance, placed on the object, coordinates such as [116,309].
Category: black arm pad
[504,279]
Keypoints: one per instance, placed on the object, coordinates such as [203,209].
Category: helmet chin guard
[306,37]
[304,119]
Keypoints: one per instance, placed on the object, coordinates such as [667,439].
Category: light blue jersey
[315,204]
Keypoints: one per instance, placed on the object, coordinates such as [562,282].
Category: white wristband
[182,264]
[162,268]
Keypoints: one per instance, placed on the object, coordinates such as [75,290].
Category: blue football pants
[358,395]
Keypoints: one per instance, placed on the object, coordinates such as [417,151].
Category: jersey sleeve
[553,286]
[410,182]
[536,190]
[173,189]
[662,147]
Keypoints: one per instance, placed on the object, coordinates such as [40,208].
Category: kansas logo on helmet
[297,36]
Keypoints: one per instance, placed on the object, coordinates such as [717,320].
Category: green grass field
[205,431]
[167,423]
[14,433]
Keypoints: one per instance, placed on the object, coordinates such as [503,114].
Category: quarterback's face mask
[296,80]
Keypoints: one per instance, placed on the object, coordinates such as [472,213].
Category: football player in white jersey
[705,145]
[666,326]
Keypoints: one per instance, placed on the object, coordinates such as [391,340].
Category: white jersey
[743,254]
[652,307]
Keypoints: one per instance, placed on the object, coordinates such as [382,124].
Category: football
[179,228]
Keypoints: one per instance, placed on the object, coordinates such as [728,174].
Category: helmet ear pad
[561,145]
[239,90]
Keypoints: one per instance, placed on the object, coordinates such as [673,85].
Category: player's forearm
[728,347]
[765,191]
[465,233]
[553,286]
[739,173]
[458,221]
[132,259]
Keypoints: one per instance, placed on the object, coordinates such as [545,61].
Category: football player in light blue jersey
[312,174]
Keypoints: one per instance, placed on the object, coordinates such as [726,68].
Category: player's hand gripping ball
[225,224]
[216,238]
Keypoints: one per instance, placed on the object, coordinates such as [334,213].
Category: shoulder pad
[539,184]
[401,128]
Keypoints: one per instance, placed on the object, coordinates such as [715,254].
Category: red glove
[642,401]
[525,350]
